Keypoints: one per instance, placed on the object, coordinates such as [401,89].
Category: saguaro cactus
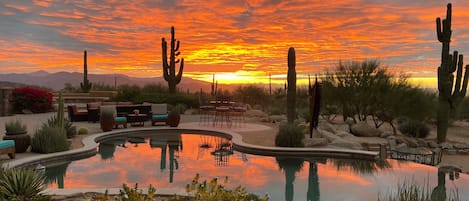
[448,97]
[291,91]
[86,84]
[169,70]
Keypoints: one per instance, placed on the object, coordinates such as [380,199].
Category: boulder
[328,135]
[386,134]
[362,129]
[328,127]
[277,118]
[461,146]
[255,113]
[344,134]
[432,144]
[346,144]
[315,142]
[446,145]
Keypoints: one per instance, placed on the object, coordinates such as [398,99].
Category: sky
[240,41]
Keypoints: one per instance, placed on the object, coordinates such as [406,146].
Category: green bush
[289,135]
[68,126]
[82,131]
[180,108]
[213,191]
[15,126]
[131,194]
[413,128]
[48,140]
[21,184]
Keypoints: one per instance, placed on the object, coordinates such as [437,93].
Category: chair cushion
[120,119]
[6,144]
[159,116]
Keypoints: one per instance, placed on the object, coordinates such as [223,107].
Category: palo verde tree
[449,98]
[169,67]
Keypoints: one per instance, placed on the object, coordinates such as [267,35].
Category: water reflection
[289,166]
[106,149]
[439,192]
[362,167]
[173,143]
[172,161]
[56,174]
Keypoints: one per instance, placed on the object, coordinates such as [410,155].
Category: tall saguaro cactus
[291,91]
[449,98]
[169,69]
[86,84]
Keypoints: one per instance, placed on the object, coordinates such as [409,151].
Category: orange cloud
[225,36]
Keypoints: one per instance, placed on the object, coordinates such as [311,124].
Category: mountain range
[57,81]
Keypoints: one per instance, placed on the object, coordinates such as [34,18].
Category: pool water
[172,161]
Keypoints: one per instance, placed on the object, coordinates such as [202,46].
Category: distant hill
[56,81]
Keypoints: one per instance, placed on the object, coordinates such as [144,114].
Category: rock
[432,144]
[411,142]
[461,146]
[255,113]
[344,134]
[315,142]
[346,144]
[464,151]
[421,142]
[362,129]
[451,151]
[402,146]
[328,135]
[386,134]
[277,118]
[26,111]
[446,145]
[328,127]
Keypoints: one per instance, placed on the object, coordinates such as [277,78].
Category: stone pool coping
[90,146]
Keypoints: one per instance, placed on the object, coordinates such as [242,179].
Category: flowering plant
[36,100]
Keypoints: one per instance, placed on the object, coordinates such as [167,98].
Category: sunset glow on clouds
[240,41]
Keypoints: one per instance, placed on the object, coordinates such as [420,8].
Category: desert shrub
[214,191]
[15,126]
[70,130]
[48,140]
[413,128]
[252,95]
[180,108]
[36,100]
[82,131]
[289,135]
[21,184]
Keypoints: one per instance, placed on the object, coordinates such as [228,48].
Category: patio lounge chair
[159,113]
[7,147]
[74,114]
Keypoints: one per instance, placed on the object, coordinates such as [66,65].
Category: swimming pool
[172,160]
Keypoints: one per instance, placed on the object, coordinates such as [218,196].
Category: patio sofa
[122,109]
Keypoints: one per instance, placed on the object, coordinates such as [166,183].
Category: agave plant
[21,184]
